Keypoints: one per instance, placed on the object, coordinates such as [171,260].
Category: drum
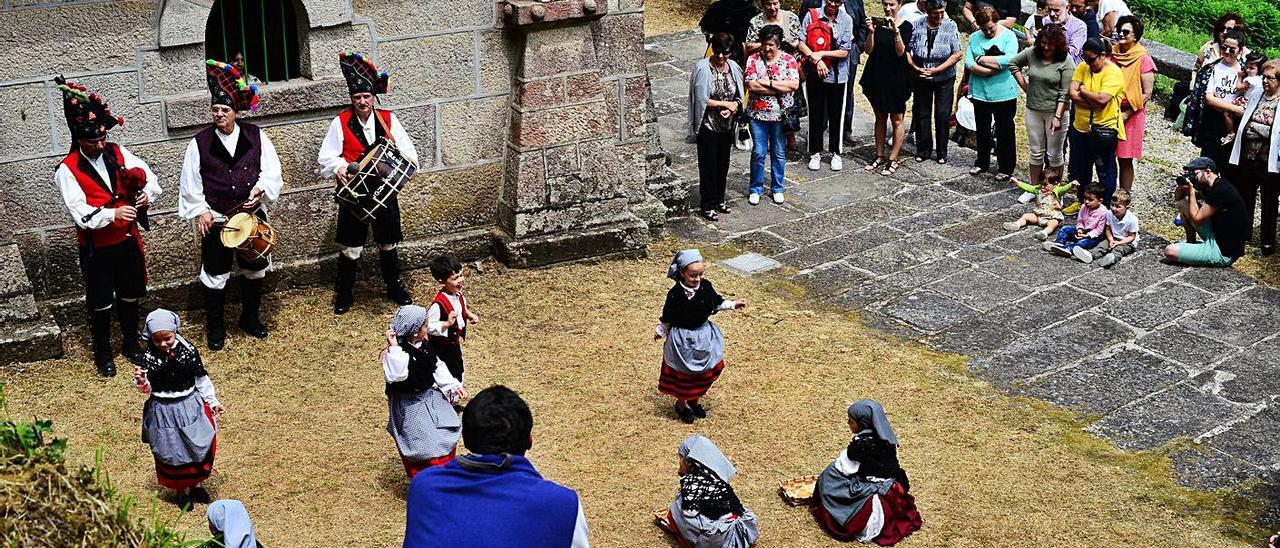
[798,491]
[254,238]
[382,173]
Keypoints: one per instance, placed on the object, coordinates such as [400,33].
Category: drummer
[230,167]
[350,134]
[106,189]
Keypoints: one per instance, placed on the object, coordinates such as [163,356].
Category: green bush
[1198,16]
[45,503]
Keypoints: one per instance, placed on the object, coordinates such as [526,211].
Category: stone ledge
[627,238]
[1171,62]
[278,99]
[530,13]
[32,340]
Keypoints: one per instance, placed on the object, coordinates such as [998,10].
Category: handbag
[791,119]
[1101,136]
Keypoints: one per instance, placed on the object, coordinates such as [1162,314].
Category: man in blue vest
[229,167]
[493,496]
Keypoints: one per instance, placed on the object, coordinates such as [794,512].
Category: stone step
[30,340]
[18,308]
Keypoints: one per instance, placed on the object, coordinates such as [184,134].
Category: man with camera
[1219,222]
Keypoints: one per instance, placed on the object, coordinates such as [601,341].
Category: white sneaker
[753,199]
[1107,260]
[778,198]
[1083,254]
[1027,197]
[836,163]
[815,162]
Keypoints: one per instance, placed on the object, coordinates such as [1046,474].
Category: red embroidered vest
[353,136]
[446,308]
[96,194]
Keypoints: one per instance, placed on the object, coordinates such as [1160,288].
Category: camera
[1185,179]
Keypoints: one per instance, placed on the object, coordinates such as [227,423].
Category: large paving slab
[1149,352]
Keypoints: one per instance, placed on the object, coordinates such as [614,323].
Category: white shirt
[330,156]
[435,325]
[1223,82]
[1122,228]
[73,195]
[1107,6]
[911,12]
[191,202]
[580,530]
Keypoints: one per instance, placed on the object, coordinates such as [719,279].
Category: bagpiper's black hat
[361,75]
[87,114]
[227,87]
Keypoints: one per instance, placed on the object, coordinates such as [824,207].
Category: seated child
[706,512]
[1121,233]
[1087,231]
[1048,211]
[230,526]
[448,316]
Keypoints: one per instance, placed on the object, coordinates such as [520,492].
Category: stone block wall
[453,64]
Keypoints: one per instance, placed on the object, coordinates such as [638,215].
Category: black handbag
[1101,137]
[791,119]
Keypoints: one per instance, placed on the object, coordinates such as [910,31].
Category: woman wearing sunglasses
[1212,107]
[1139,72]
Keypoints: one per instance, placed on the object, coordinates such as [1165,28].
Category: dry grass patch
[304,445]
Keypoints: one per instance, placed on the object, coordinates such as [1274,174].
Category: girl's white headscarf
[229,517]
[681,260]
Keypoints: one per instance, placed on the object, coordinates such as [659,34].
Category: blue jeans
[1067,239]
[1084,156]
[766,141]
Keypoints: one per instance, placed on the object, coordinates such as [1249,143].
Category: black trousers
[352,232]
[112,272]
[826,102]
[713,166]
[1251,179]
[932,98]
[1002,112]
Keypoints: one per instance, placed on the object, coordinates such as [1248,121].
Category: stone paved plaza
[1150,354]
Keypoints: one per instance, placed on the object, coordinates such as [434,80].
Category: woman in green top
[1044,74]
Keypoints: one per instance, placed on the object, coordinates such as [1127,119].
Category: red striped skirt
[684,386]
[413,467]
[901,518]
[182,477]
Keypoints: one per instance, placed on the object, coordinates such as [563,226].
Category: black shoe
[343,297]
[686,414]
[198,494]
[215,328]
[698,410]
[250,306]
[107,369]
[389,264]
[183,501]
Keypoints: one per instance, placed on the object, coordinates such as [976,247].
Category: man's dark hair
[497,421]
[443,267]
[1096,189]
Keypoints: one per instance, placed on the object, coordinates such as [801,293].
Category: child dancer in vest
[420,393]
[179,420]
[449,314]
[693,355]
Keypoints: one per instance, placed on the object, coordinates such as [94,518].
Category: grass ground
[303,441]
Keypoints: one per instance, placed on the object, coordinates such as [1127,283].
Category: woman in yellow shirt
[1095,90]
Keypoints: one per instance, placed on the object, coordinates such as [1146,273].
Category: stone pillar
[562,196]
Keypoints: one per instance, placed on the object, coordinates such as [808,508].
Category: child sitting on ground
[449,314]
[1048,211]
[1087,231]
[1121,233]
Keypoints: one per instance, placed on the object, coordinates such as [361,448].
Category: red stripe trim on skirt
[413,467]
[185,476]
[684,386]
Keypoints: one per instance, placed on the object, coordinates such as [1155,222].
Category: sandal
[891,168]
[710,216]
[724,208]
[975,171]
[879,161]
[1002,177]
[921,159]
